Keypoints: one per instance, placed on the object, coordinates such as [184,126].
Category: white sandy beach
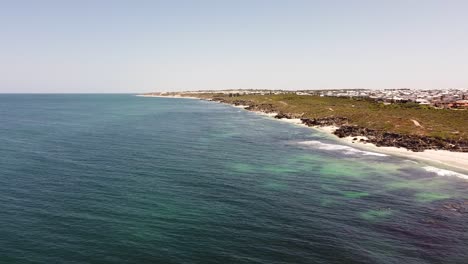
[241,106]
[456,160]
[449,159]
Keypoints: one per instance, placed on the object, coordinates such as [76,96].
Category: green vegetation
[397,118]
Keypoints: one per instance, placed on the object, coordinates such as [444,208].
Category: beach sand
[448,159]
[456,160]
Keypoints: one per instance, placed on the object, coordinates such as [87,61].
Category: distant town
[443,98]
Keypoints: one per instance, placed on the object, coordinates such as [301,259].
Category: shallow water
[125,179]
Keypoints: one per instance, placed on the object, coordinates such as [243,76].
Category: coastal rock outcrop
[218,99]
[284,115]
[326,121]
[265,108]
[242,102]
[416,143]
[412,142]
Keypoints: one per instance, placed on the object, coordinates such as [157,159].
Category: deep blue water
[125,179]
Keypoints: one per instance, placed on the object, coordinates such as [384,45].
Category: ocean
[126,179]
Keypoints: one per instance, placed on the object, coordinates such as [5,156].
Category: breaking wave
[445,173]
[343,149]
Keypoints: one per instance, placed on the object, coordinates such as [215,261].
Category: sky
[116,46]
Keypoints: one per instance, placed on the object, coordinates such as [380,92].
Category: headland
[408,129]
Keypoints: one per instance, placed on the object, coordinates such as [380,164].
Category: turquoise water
[125,179]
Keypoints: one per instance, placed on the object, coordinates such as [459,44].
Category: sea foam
[445,173]
[343,149]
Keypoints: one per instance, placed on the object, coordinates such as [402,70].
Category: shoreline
[453,160]
[167,96]
[447,159]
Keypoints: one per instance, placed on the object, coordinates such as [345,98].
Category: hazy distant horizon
[191,90]
[128,47]
[150,91]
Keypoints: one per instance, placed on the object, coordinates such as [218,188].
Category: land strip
[373,122]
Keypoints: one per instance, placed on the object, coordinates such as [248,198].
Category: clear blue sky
[135,45]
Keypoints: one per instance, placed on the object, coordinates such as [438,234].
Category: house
[422,102]
[460,104]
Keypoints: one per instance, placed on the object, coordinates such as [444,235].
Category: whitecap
[445,173]
[343,149]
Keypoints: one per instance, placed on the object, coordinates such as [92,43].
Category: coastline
[444,158]
[448,159]
[454,160]
[167,96]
